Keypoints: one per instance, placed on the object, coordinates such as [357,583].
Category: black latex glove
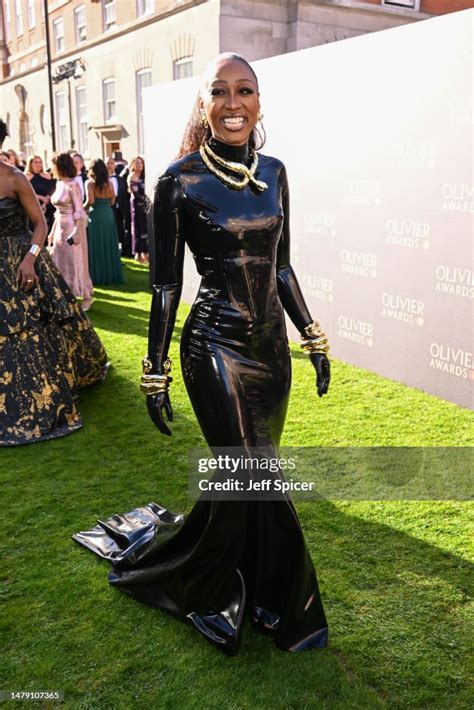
[155,403]
[323,371]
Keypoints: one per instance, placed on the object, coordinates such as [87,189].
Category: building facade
[104,53]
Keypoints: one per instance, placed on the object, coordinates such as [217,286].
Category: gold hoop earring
[204,119]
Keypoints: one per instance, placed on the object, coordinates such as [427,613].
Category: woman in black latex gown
[226,558]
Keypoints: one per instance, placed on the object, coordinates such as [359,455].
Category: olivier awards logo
[318,287]
[363,192]
[403,308]
[460,110]
[454,281]
[452,361]
[356,330]
[457,197]
[409,234]
[421,154]
[359,263]
[321,223]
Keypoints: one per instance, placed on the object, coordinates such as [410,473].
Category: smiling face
[231,102]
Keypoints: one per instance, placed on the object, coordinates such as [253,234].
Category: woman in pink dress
[67,239]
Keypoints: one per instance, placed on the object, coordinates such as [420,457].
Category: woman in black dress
[44,186]
[228,557]
[138,209]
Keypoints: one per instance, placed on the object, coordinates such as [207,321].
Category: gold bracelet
[155,383]
[314,339]
[153,388]
[147,365]
[155,378]
[313,346]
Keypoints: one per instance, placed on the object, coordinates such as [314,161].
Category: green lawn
[393,574]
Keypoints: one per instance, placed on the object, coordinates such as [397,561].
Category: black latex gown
[226,558]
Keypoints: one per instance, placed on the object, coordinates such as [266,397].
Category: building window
[61,120]
[411,4]
[58,32]
[31,14]
[109,15]
[80,24]
[145,7]
[18,18]
[109,100]
[8,26]
[34,62]
[143,79]
[81,113]
[183,67]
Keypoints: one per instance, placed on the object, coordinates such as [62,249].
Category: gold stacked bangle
[153,384]
[314,339]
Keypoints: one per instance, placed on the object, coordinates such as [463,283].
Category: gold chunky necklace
[248,173]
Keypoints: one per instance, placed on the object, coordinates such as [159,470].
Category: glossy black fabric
[227,557]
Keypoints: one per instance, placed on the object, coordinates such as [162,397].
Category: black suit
[122,210]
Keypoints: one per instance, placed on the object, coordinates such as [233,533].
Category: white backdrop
[376,134]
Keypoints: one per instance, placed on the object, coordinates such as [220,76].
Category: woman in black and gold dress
[48,347]
[228,557]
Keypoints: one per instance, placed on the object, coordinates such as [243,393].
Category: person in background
[120,161]
[112,176]
[43,186]
[104,254]
[67,239]
[81,173]
[48,347]
[138,209]
[123,199]
[119,187]
[15,160]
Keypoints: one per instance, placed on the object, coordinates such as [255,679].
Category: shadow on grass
[128,320]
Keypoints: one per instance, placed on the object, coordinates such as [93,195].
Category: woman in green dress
[105,266]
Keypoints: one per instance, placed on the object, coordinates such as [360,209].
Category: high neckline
[237,153]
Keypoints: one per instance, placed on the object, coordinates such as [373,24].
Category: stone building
[104,53]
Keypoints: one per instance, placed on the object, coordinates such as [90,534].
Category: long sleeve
[289,289]
[77,204]
[168,261]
